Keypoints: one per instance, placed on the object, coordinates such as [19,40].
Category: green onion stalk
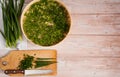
[11,12]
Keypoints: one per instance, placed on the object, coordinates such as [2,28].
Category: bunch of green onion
[11,12]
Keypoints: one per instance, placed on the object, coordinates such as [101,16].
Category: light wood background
[92,47]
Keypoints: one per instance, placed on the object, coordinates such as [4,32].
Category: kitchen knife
[28,72]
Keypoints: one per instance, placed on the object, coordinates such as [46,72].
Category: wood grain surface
[92,47]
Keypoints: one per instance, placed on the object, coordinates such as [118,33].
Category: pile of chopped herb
[30,62]
[47,22]
[26,63]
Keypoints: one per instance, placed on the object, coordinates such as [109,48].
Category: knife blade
[28,72]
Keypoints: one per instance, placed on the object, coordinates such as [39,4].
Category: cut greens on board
[11,12]
[46,22]
[31,62]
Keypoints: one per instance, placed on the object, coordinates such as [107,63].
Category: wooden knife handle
[14,71]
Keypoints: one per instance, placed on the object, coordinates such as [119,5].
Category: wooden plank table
[92,47]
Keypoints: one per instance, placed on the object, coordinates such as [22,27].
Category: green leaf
[43,63]
[2,34]
[20,7]
[39,59]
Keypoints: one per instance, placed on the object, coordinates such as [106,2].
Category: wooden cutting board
[14,57]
